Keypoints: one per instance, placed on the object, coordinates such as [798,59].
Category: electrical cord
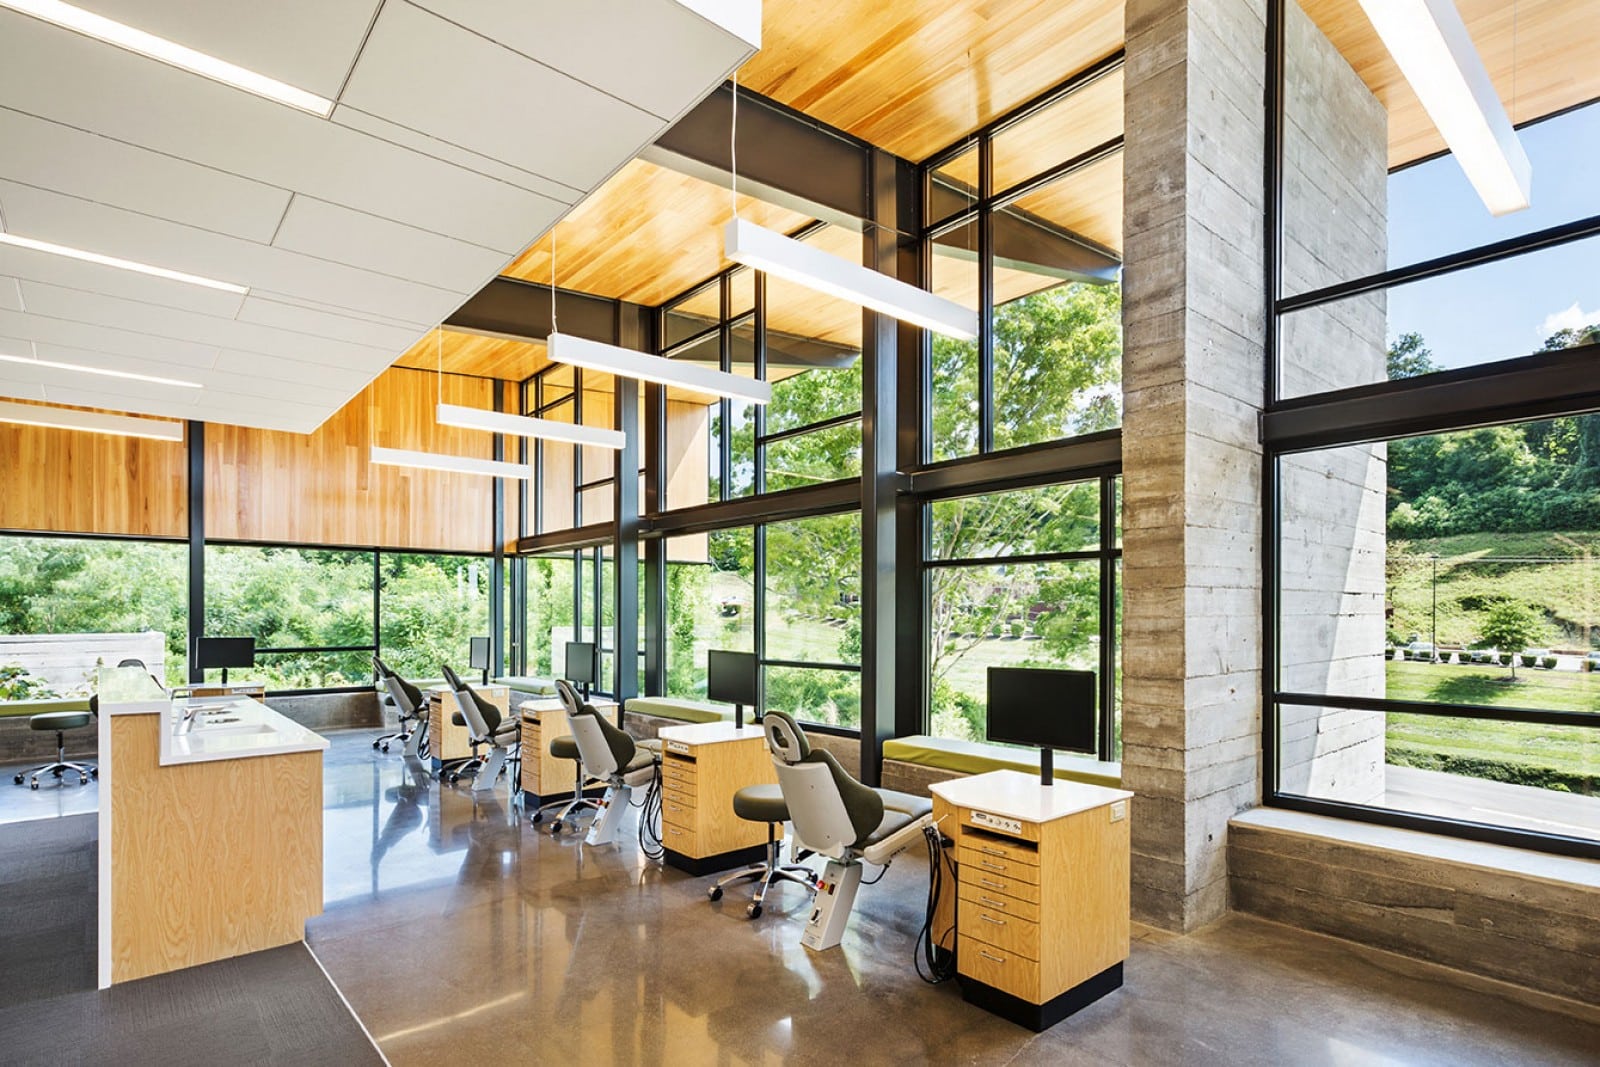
[650,842]
[935,962]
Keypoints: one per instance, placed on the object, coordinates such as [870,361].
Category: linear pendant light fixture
[121,264]
[522,426]
[90,422]
[766,250]
[170,52]
[433,461]
[626,363]
[81,368]
[1431,46]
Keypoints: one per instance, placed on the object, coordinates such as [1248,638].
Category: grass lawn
[1453,683]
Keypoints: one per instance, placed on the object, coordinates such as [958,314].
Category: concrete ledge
[332,711]
[912,764]
[847,750]
[1504,913]
[19,743]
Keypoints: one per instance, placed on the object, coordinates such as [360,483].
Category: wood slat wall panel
[67,481]
[320,488]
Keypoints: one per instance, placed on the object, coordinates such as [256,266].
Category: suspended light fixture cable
[438,348]
[733,151]
[553,279]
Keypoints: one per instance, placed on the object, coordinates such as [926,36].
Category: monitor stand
[738,716]
[586,692]
[1047,766]
[486,677]
[224,676]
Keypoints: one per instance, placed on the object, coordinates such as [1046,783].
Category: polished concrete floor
[459,932]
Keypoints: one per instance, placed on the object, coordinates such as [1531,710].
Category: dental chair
[838,817]
[413,711]
[486,726]
[566,747]
[610,755]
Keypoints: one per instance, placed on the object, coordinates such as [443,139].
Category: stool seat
[59,720]
[760,803]
[564,747]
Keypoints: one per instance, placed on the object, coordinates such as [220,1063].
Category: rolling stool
[764,803]
[567,748]
[60,722]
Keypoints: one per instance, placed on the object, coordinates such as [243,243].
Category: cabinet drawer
[986,882]
[998,849]
[999,928]
[998,902]
[680,839]
[674,791]
[970,858]
[678,771]
[674,812]
[1005,971]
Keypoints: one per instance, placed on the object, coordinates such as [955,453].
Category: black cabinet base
[722,861]
[1037,1017]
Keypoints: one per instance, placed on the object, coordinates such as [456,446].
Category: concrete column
[1193,373]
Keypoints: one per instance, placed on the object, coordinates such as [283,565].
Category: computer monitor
[224,652]
[478,656]
[734,678]
[580,664]
[1042,706]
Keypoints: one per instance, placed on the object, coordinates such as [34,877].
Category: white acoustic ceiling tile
[20,390]
[336,233]
[162,323]
[10,294]
[51,269]
[66,331]
[232,409]
[658,55]
[254,365]
[390,336]
[309,44]
[52,156]
[559,194]
[125,396]
[70,79]
[437,78]
[80,224]
[412,320]
[184,372]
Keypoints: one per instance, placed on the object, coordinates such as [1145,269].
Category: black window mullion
[760,357]
[985,296]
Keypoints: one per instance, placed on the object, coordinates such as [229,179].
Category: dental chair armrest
[881,853]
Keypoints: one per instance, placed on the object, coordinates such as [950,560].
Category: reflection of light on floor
[1514,818]
[410,1031]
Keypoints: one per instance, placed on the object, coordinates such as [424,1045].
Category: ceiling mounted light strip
[1431,46]
[795,261]
[523,426]
[170,52]
[641,366]
[121,264]
[433,461]
[28,361]
[90,422]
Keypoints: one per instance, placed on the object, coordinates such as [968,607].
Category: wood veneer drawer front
[675,791]
[1000,929]
[674,812]
[1004,850]
[977,861]
[681,839]
[1005,971]
[999,903]
[674,770]
[985,882]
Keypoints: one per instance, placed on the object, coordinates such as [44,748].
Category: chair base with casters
[567,748]
[60,722]
[643,771]
[904,817]
[764,803]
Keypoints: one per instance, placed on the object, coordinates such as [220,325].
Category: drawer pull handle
[992,852]
[991,866]
[992,903]
[992,919]
[992,885]
[678,832]
[991,959]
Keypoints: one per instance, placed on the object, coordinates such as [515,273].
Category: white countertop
[1022,796]
[709,733]
[258,731]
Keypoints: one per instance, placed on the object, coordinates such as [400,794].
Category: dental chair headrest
[785,739]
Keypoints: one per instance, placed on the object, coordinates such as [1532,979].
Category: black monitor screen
[731,677]
[225,652]
[580,662]
[1042,706]
[478,653]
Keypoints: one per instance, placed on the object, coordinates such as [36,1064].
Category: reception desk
[210,831]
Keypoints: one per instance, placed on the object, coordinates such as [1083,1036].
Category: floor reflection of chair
[410,811]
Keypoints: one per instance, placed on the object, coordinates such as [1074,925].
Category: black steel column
[497,561]
[911,538]
[655,549]
[197,542]
[625,513]
[1109,634]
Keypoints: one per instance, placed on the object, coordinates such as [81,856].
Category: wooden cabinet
[447,740]
[1041,896]
[702,766]
[545,778]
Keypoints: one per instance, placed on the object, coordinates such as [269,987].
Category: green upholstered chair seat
[520,683]
[975,757]
[680,710]
[60,720]
[564,747]
[760,803]
[40,707]
[899,811]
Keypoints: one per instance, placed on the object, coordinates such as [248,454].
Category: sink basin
[234,730]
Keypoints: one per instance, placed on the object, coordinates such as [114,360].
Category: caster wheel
[715,892]
[33,785]
[83,781]
[17,779]
[95,773]
[536,818]
[374,745]
[386,748]
[555,828]
[58,774]
[754,911]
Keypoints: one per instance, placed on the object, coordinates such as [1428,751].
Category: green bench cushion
[681,710]
[40,707]
[539,687]
[976,757]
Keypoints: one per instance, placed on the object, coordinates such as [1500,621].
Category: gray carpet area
[272,1007]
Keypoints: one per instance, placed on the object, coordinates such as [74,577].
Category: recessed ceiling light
[84,369]
[121,264]
[522,426]
[170,52]
[434,461]
[90,422]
